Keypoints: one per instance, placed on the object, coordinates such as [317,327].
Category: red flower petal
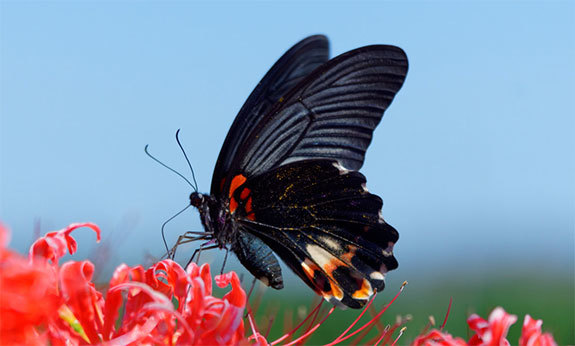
[169,278]
[28,297]
[52,246]
[492,332]
[436,337]
[4,236]
[237,296]
[82,297]
[531,334]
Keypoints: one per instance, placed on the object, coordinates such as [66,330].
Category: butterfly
[286,181]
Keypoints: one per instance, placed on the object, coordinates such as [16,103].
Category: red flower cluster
[41,302]
[492,332]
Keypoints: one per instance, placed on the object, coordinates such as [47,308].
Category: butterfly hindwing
[321,220]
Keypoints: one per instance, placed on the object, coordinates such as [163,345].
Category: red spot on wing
[222,183]
[245,193]
[233,205]
[249,206]
[236,182]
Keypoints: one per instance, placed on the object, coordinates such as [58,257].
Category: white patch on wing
[265,280]
[342,169]
[377,276]
[389,250]
[364,187]
[319,255]
[332,244]
[306,267]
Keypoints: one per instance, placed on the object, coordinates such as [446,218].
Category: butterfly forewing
[287,72]
[331,114]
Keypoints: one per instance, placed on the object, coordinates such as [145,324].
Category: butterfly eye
[196,199]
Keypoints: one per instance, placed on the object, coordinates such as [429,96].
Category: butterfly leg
[188,237]
[225,260]
[199,250]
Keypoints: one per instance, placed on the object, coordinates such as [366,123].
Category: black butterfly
[287,179]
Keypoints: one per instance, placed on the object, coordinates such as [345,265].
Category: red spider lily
[19,282]
[437,337]
[494,331]
[42,302]
[531,334]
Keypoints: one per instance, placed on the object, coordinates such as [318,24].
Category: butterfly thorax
[214,218]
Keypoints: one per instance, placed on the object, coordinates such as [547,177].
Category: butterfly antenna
[188,160]
[168,167]
[165,223]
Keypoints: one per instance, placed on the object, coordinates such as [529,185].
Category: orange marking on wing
[309,269]
[364,292]
[233,205]
[251,216]
[332,265]
[329,268]
[337,292]
[249,206]
[236,182]
[350,254]
[245,193]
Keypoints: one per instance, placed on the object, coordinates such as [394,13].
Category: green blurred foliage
[543,296]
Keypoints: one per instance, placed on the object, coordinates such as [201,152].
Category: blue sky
[474,159]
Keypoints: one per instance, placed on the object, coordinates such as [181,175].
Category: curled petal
[436,337]
[114,300]
[28,299]
[151,316]
[143,288]
[477,324]
[237,296]
[4,236]
[491,332]
[499,323]
[53,245]
[531,334]
[82,297]
[174,280]
[135,335]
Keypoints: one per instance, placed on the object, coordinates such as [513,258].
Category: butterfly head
[197,199]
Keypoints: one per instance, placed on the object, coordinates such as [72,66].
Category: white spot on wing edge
[342,169]
[364,187]
[381,220]
[377,276]
[387,252]
[264,280]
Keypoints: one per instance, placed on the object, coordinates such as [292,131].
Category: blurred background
[475,158]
